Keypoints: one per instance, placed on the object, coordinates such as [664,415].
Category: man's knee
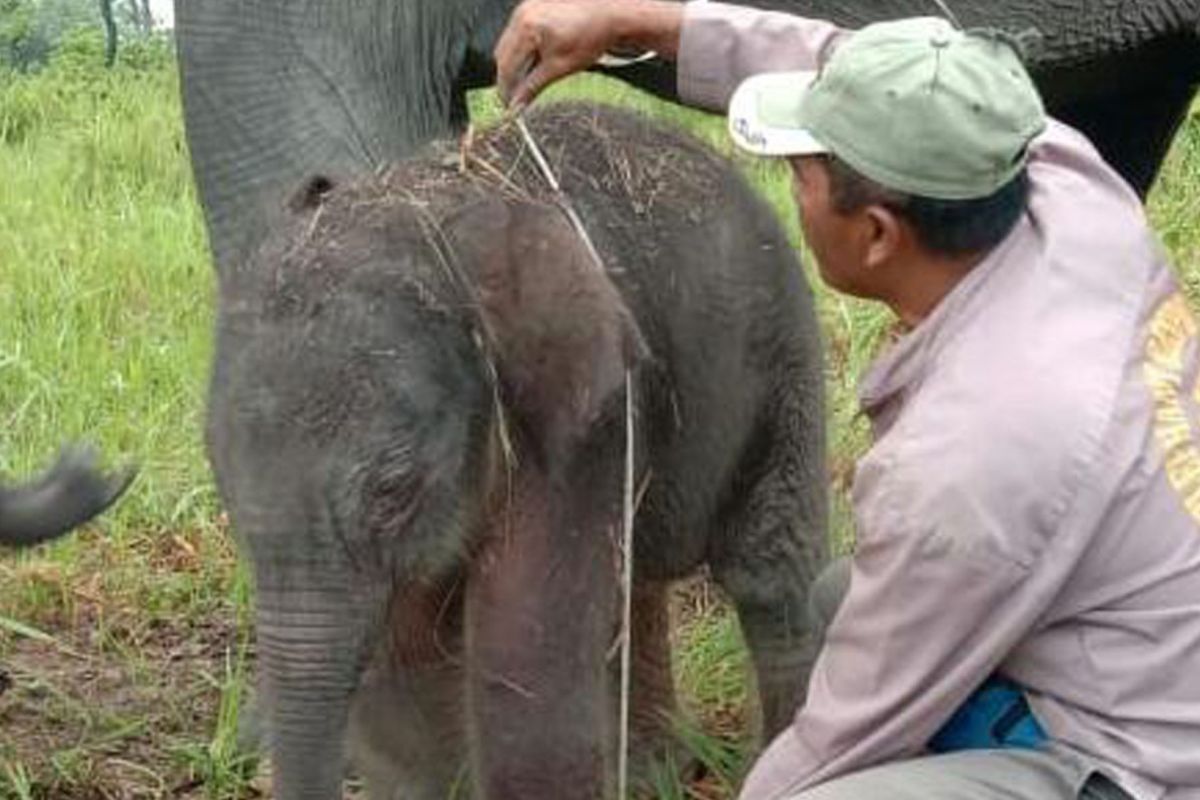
[977,774]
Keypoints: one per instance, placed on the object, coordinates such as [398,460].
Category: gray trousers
[965,775]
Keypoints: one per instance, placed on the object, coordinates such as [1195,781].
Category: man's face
[838,241]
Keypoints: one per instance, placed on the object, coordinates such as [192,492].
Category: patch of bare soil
[123,721]
[113,657]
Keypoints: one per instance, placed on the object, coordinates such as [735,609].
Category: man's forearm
[721,45]
[714,44]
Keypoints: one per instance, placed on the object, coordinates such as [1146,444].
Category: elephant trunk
[68,495]
[540,621]
[311,644]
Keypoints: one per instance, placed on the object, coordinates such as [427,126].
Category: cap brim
[747,127]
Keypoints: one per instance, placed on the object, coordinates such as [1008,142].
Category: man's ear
[885,234]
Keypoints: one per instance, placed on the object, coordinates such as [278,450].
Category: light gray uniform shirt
[1030,503]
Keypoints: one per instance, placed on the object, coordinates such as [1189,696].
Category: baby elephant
[67,495]
[417,422]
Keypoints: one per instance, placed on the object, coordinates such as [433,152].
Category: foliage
[81,53]
[103,303]
[74,82]
[35,33]
[30,30]
[18,44]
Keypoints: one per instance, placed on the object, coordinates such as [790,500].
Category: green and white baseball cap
[916,105]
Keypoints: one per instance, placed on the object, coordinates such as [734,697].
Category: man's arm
[716,45]
[940,593]
[721,45]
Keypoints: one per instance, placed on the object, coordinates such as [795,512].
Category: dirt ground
[101,723]
[115,654]
[108,691]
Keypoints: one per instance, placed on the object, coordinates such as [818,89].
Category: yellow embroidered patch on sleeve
[1172,330]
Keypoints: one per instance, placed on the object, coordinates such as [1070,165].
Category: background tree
[137,16]
[33,31]
[19,43]
[110,32]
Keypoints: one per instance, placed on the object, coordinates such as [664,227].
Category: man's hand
[550,39]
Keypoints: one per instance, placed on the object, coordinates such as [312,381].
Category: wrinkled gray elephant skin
[69,494]
[1124,73]
[278,90]
[417,425]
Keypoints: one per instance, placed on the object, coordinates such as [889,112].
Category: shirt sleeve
[934,606]
[1065,160]
[721,45]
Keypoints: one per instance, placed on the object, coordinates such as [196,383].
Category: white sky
[164,12]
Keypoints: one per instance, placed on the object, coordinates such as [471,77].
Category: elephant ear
[274,92]
[561,335]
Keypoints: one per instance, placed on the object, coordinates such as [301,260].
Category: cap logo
[755,138]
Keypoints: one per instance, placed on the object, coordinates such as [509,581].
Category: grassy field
[125,650]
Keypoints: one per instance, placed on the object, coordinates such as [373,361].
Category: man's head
[908,147]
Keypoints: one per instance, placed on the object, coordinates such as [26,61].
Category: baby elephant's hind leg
[652,703]
[773,547]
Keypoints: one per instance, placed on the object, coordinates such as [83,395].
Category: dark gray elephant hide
[1124,73]
[277,90]
[416,422]
[72,492]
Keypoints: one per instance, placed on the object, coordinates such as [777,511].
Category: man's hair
[944,227]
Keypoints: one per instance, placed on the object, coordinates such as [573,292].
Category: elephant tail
[72,492]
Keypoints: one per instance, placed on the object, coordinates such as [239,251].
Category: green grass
[137,677]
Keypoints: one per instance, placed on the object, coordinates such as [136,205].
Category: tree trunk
[143,15]
[110,33]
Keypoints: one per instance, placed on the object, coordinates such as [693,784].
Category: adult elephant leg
[275,92]
[540,620]
[775,546]
[1136,150]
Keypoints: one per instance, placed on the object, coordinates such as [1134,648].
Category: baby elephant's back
[716,291]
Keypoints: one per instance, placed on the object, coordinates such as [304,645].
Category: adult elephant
[274,91]
[1124,73]
[69,494]
[417,422]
